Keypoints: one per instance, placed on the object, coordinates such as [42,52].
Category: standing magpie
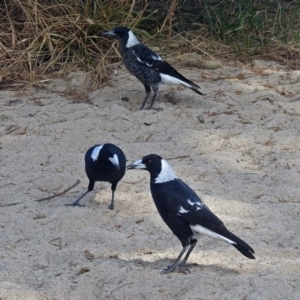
[183,211]
[104,162]
[149,68]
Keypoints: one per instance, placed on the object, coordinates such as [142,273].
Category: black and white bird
[149,68]
[104,162]
[183,211]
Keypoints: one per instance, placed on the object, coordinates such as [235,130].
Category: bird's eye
[149,161]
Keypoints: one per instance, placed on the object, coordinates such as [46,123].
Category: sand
[237,147]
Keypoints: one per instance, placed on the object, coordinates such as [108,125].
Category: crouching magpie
[104,162]
[149,68]
[183,211]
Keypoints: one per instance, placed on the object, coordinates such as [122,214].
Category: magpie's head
[122,34]
[149,162]
[158,168]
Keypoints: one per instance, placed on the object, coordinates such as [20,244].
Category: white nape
[202,230]
[115,160]
[132,40]
[96,152]
[166,174]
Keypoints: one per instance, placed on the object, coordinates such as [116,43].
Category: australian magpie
[104,162]
[183,211]
[149,68]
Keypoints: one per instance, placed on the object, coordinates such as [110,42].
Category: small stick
[179,157]
[11,204]
[59,194]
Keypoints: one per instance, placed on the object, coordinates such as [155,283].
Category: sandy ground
[237,147]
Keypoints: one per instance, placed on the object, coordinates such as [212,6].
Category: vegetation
[42,39]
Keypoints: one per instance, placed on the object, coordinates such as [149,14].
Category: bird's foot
[168,269]
[75,204]
[179,268]
[111,206]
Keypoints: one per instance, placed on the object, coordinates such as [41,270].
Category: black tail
[193,86]
[236,242]
[243,247]
[197,91]
[247,252]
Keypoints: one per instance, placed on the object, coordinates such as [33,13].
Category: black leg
[112,206]
[175,263]
[182,264]
[148,91]
[113,189]
[76,203]
[155,89]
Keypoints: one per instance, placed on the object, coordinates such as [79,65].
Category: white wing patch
[96,152]
[132,40]
[156,57]
[202,230]
[137,57]
[143,62]
[199,205]
[182,210]
[190,202]
[166,174]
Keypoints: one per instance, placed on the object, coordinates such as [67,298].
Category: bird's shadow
[161,264]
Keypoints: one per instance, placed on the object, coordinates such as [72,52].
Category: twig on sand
[59,194]
[10,204]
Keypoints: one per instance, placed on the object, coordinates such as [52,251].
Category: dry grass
[44,39]
[40,40]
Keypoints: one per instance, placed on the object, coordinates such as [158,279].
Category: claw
[168,269]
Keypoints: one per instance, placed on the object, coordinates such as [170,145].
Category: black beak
[109,33]
[136,165]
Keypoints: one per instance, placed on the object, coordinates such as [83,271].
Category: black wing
[196,210]
[150,59]
[180,201]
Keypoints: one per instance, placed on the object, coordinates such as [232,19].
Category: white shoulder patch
[96,152]
[166,174]
[132,40]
